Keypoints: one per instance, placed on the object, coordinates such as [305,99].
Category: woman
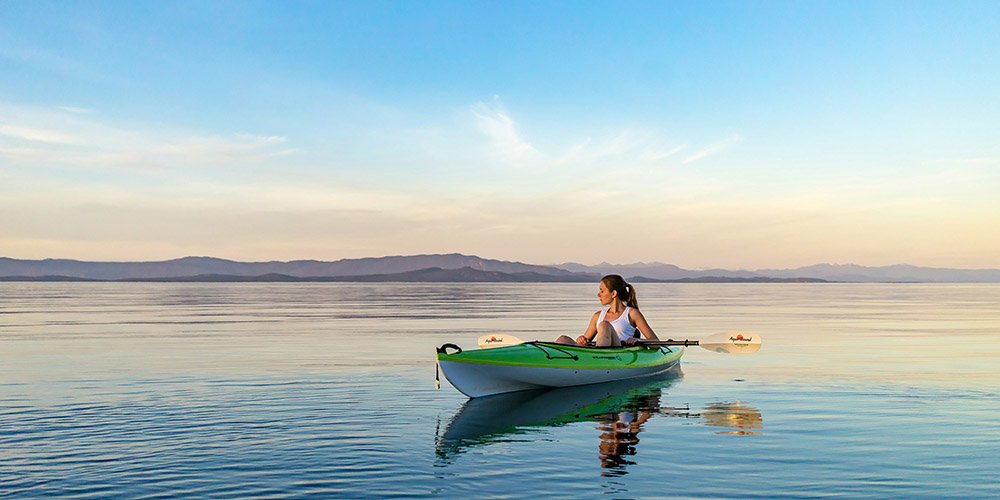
[619,324]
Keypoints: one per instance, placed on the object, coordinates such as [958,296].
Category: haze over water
[285,390]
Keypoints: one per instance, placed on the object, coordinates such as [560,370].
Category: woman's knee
[564,339]
[606,335]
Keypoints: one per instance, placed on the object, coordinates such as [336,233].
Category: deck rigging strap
[552,346]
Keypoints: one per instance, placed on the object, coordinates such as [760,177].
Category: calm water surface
[289,390]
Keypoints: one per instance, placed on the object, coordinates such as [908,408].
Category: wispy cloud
[590,150]
[505,139]
[224,149]
[34,134]
[712,149]
[626,148]
[75,109]
[659,154]
[17,153]
[75,138]
[508,144]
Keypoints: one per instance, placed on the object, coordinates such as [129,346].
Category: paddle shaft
[668,342]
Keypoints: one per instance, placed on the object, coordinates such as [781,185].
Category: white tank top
[624,329]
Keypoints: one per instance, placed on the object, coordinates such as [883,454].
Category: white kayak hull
[475,380]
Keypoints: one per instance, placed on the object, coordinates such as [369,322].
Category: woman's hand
[582,340]
[631,341]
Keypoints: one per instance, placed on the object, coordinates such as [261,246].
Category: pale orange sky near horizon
[691,229]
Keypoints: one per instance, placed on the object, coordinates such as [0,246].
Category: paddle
[725,342]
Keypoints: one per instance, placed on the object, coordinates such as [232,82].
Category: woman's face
[604,295]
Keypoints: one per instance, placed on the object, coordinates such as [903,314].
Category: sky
[743,135]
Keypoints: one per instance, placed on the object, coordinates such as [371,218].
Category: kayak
[536,365]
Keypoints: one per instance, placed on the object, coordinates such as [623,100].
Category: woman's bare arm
[591,330]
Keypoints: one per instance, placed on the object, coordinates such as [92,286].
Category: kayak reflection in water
[482,421]
[620,324]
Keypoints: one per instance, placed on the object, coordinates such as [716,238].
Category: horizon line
[604,263]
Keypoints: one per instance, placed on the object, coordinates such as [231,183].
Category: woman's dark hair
[626,292]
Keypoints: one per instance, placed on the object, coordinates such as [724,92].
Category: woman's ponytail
[632,301]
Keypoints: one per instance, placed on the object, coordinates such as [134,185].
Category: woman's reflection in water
[620,434]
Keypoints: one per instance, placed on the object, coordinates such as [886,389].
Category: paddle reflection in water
[740,418]
[619,408]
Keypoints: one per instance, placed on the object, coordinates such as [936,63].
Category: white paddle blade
[732,342]
[498,340]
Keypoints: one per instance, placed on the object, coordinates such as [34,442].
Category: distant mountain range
[852,273]
[458,268]
[198,266]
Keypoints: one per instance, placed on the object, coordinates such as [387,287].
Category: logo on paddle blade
[494,340]
[740,338]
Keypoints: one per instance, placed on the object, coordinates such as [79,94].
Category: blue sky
[735,134]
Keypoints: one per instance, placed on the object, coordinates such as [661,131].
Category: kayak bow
[534,365]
